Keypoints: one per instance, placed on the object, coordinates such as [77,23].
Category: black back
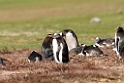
[75,51]
[46,48]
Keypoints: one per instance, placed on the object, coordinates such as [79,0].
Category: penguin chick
[77,50]
[47,48]
[93,50]
[34,57]
[104,43]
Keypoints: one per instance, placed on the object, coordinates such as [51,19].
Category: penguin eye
[104,43]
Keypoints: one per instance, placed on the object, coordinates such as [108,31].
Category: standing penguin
[34,57]
[71,38]
[119,42]
[60,49]
[47,48]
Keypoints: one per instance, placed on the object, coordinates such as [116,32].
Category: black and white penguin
[77,50]
[119,42]
[60,49]
[47,48]
[104,43]
[92,50]
[71,38]
[34,57]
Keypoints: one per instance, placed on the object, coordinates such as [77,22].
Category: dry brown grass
[80,69]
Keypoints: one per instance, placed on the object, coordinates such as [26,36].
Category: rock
[119,11]
[95,20]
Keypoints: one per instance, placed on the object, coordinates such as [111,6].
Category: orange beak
[92,38]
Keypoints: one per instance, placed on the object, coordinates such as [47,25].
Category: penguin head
[97,39]
[50,35]
[56,35]
[64,32]
[119,29]
[34,51]
[48,38]
[83,45]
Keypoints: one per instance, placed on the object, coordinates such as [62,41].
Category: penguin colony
[59,46]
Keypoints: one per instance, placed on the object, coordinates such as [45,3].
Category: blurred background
[25,23]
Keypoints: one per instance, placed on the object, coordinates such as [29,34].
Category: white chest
[71,41]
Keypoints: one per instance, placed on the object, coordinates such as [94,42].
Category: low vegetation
[80,69]
[24,24]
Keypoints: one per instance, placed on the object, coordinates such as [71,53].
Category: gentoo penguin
[34,57]
[119,42]
[47,48]
[77,50]
[104,43]
[71,38]
[60,49]
[92,50]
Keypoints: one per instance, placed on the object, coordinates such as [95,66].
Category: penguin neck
[71,41]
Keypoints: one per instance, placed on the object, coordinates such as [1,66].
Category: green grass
[25,23]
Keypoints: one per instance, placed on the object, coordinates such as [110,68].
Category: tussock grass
[80,68]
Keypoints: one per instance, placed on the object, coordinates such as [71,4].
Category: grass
[24,24]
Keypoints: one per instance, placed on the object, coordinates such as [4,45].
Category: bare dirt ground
[80,69]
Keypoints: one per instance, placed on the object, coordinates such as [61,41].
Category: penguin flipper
[122,52]
[117,40]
